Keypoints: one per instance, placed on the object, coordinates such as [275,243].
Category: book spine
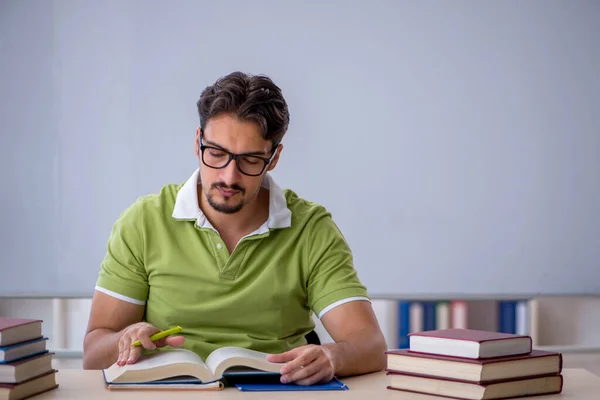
[403,324]
[429,315]
[458,314]
[507,316]
[416,317]
[442,310]
[533,306]
[522,318]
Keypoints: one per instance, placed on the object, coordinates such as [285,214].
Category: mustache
[223,185]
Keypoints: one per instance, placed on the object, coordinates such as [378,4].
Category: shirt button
[219,246]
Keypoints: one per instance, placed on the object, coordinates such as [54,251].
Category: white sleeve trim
[339,303]
[120,296]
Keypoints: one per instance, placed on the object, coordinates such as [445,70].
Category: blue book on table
[334,384]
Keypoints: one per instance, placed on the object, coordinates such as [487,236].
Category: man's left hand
[306,365]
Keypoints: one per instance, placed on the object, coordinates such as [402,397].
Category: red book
[457,389]
[16,330]
[476,371]
[469,343]
[30,387]
[26,368]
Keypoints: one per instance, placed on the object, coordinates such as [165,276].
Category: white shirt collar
[186,205]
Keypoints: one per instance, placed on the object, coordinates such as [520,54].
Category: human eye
[216,153]
[251,160]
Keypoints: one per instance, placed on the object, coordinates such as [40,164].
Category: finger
[302,360]
[284,357]
[174,341]
[134,354]
[120,355]
[311,380]
[144,338]
[126,348]
[302,372]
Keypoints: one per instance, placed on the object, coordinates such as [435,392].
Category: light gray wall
[456,143]
[564,321]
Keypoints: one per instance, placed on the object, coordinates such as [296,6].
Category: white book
[170,364]
[442,315]
[416,317]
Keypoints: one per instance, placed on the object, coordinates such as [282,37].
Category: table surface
[75,384]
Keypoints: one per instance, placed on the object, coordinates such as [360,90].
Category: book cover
[18,351]
[471,335]
[469,343]
[474,370]
[16,330]
[7,323]
[459,389]
[334,384]
[480,361]
[26,368]
[30,387]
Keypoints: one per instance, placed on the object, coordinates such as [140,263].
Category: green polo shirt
[164,254]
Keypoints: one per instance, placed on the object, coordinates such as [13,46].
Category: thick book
[18,351]
[26,368]
[184,367]
[469,343]
[457,389]
[16,330]
[477,371]
[28,388]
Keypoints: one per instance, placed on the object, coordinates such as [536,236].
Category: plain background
[476,123]
[455,143]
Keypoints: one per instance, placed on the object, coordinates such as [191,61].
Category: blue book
[19,351]
[334,384]
[403,324]
[507,313]
[429,315]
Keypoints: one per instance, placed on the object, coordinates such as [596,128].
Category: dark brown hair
[250,98]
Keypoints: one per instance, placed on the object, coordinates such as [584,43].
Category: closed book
[18,351]
[15,330]
[31,387]
[469,343]
[26,368]
[475,370]
[457,389]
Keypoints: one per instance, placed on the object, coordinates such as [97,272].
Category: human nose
[230,174]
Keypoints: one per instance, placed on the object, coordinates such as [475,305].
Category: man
[233,259]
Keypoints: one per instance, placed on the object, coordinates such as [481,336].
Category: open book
[184,367]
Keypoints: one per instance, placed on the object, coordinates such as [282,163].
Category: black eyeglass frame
[235,157]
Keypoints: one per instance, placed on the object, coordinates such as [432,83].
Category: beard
[228,206]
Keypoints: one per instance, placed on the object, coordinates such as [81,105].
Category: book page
[221,359]
[166,361]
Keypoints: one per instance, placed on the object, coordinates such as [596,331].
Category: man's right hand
[142,331]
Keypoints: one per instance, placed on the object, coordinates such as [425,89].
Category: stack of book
[25,363]
[472,364]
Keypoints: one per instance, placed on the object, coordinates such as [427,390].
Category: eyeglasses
[247,164]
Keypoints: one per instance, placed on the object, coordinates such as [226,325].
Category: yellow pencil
[160,335]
